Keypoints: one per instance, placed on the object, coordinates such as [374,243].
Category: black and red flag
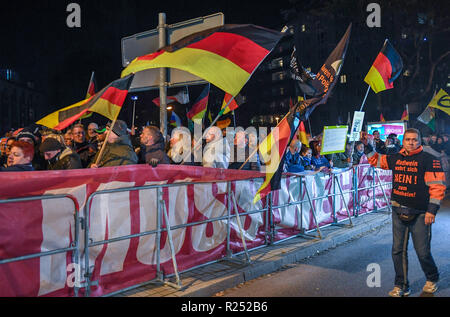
[277,141]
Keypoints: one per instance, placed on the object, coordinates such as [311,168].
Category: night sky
[39,45]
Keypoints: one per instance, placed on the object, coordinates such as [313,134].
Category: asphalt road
[345,270]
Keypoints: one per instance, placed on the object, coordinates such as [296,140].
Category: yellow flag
[441,101]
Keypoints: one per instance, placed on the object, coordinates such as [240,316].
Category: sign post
[149,42]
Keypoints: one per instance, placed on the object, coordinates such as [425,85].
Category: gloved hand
[154,162]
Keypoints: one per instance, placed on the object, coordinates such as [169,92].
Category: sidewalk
[212,279]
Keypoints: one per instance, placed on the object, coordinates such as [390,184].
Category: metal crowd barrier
[270,228]
[74,245]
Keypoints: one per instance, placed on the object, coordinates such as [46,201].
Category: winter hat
[120,128]
[101,129]
[26,133]
[49,145]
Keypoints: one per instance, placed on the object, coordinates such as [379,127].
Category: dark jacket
[82,149]
[66,160]
[380,146]
[154,152]
[254,164]
[340,160]
[418,181]
[117,153]
[18,168]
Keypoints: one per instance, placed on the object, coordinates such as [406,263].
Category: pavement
[212,279]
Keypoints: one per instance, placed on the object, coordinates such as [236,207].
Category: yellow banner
[441,101]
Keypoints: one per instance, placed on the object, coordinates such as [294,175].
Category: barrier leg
[343,199]
[269,220]
[87,274]
[333,198]
[300,222]
[172,248]
[373,190]
[384,192]
[229,252]
[313,209]
[76,253]
[159,273]
[266,225]
[238,221]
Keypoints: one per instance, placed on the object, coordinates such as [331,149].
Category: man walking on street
[418,187]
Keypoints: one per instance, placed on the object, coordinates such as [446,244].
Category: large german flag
[225,56]
[108,102]
[386,68]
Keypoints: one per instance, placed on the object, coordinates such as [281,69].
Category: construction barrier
[98,232]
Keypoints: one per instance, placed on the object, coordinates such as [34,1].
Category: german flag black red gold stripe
[108,102]
[225,56]
[272,150]
[386,68]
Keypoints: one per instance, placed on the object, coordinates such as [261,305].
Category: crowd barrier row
[100,232]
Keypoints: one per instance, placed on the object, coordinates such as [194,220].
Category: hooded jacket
[118,153]
[418,180]
[155,151]
[66,160]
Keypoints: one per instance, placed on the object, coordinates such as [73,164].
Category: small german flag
[228,106]
[92,87]
[302,136]
[386,68]
[90,92]
[108,102]
[225,56]
[198,110]
[405,115]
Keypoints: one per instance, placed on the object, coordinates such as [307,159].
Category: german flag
[228,106]
[272,150]
[225,56]
[92,87]
[405,115]
[198,110]
[90,92]
[302,134]
[108,102]
[386,68]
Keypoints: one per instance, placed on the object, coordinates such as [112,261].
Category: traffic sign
[148,42]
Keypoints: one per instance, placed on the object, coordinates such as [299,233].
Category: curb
[303,250]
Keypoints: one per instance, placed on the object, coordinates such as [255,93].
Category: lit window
[303,28]
[343,79]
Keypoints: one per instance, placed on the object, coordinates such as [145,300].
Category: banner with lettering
[28,227]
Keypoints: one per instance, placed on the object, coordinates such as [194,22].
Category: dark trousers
[421,236]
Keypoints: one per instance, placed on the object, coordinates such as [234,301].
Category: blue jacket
[293,163]
[320,161]
[18,168]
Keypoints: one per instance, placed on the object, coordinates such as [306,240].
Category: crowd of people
[37,148]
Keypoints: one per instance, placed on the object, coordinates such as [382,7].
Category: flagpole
[365,98]
[106,140]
